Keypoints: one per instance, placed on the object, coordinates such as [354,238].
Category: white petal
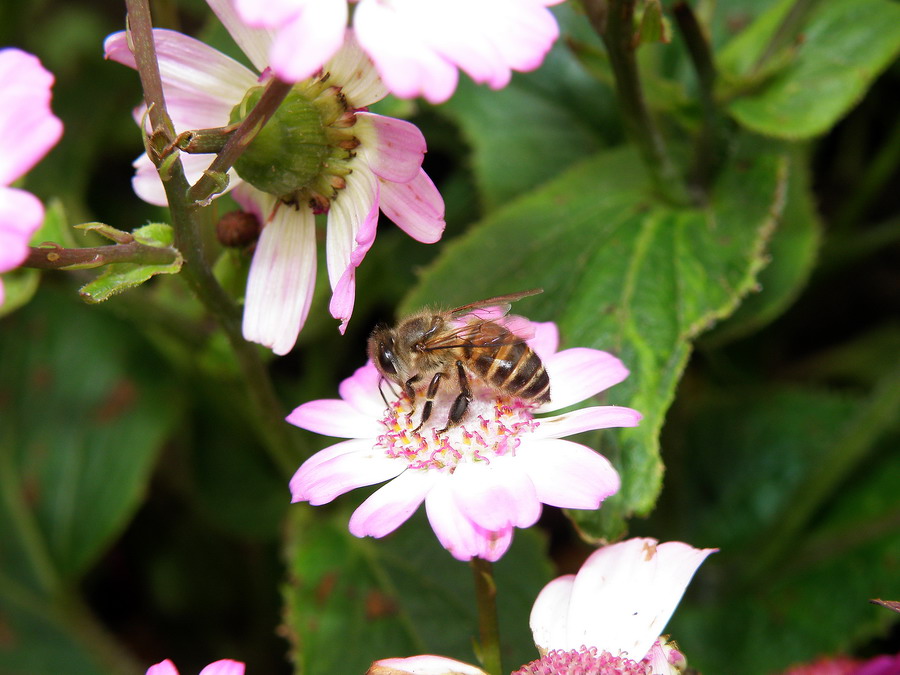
[321,481]
[391,505]
[281,280]
[586,419]
[579,373]
[392,148]
[426,664]
[335,417]
[454,530]
[625,594]
[303,44]
[254,42]
[496,495]
[568,475]
[354,70]
[550,613]
[355,211]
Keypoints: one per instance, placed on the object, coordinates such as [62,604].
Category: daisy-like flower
[223,667]
[605,620]
[417,45]
[479,479]
[28,129]
[320,152]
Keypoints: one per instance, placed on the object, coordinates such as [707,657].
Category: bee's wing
[499,305]
[473,333]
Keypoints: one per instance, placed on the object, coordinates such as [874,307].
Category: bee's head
[383,352]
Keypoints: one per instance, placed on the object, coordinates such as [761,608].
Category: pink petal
[393,148]
[254,42]
[459,535]
[550,613]
[335,417]
[187,65]
[361,390]
[269,14]
[416,207]
[304,43]
[568,475]
[352,223]
[391,505]
[21,214]
[357,446]
[163,668]
[625,594]
[586,419]
[407,65]
[282,277]
[497,495]
[545,341]
[224,667]
[28,128]
[426,664]
[320,482]
[579,373]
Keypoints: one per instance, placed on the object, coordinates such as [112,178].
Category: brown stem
[53,257]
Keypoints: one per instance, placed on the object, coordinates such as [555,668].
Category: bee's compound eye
[386,356]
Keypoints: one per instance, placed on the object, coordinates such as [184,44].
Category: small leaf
[119,277]
[843,47]
[654,27]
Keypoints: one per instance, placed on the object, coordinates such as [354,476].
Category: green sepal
[119,277]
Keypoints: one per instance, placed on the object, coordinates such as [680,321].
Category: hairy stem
[486,597]
[269,413]
[614,22]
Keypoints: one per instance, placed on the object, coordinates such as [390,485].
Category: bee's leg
[410,392]
[381,391]
[461,402]
[429,398]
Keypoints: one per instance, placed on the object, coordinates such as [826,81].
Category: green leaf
[119,277]
[400,596]
[534,128]
[85,408]
[654,27]
[843,47]
[624,273]
[793,251]
[798,488]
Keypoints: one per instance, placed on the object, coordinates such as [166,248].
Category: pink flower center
[585,662]
[492,427]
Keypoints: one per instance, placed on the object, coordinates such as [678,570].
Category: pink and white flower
[222,667]
[417,45]
[479,479]
[28,129]
[617,605]
[605,619]
[384,171]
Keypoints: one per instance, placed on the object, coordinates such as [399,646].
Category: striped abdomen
[512,368]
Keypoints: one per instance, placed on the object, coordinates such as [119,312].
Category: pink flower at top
[417,45]
[223,667]
[885,664]
[605,619]
[28,129]
[375,163]
[479,479]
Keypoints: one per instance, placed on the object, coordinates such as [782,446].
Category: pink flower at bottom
[28,129]
[605,620]
[479,479]
[223,667]
[884,664]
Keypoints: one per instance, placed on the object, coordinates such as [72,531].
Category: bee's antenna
[381,380]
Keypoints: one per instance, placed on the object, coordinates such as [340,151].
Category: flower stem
[269,414]
[614,22]
[56,258]
[486,597]
[706,150]
[208,185]
[786,31]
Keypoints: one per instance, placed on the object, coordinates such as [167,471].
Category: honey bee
[469,341]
